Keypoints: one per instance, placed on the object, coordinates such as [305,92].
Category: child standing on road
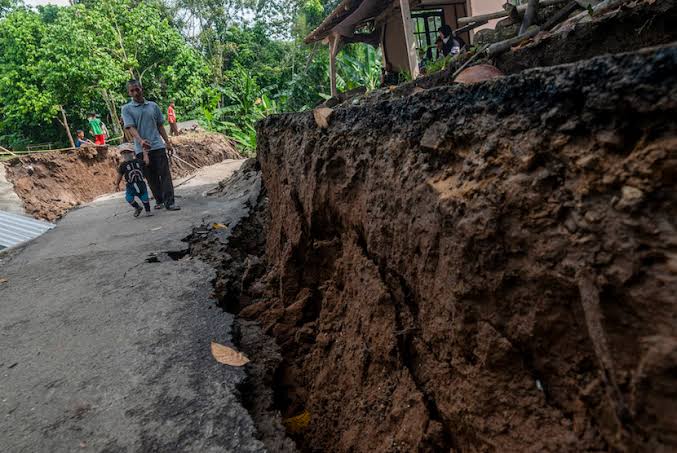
[132,170]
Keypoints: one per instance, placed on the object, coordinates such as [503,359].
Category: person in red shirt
[171,117]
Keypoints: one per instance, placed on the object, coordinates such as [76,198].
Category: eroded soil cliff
[50,184]
[479,268]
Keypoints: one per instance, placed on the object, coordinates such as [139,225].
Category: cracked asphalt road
[103,351]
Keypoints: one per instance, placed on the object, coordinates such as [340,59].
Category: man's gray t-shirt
[146,118]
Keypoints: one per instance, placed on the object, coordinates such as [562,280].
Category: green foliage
[438,64]
[358,66]
[244,105]
[227,63]
[73,56]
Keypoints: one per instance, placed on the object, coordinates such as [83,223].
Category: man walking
[143,119]
[171,117]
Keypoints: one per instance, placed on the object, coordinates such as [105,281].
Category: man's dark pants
[159,177]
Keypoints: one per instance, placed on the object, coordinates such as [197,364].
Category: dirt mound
[50,184]
[479,268]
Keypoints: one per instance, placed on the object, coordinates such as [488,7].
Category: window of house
[425,24]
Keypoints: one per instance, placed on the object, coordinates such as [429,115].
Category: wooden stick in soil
[560,15]
[589,297]
[529,15]
[503,46]
[65,125]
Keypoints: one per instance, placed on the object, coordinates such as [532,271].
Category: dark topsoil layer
[479,268]
[638,24]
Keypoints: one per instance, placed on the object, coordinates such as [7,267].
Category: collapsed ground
[50,184]
[471,268]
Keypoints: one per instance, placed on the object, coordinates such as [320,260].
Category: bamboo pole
[529,15]
[65,125]
[6,151]
[560,15]
[502,46]
[110,105]
[333,50]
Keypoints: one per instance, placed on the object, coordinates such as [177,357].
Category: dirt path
[105,351]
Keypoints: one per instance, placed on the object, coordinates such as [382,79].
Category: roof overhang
[349,14]
[344,19]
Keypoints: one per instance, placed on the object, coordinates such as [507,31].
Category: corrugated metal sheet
[15,229]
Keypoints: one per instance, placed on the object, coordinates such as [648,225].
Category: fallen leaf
[3,280]
[322,115]
[298,422]
[228,356]
[219,226]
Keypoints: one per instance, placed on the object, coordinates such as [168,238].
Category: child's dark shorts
[136,189]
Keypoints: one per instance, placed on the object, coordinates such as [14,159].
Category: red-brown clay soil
[490,267]
[50,184]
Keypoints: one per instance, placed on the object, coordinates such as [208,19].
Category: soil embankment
[478,268]
[50,184]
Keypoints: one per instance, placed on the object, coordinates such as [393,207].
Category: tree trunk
[115,119]
[65,126]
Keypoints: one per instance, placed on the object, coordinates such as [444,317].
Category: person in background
[171,117]
[80,139]
[451,45]
[439,46]
[97,129]
[144,120]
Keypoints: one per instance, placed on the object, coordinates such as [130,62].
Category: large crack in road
[104,349]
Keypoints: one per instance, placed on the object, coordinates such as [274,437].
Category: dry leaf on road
[3,280]
[218,226]
[298,422]
[228,356]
